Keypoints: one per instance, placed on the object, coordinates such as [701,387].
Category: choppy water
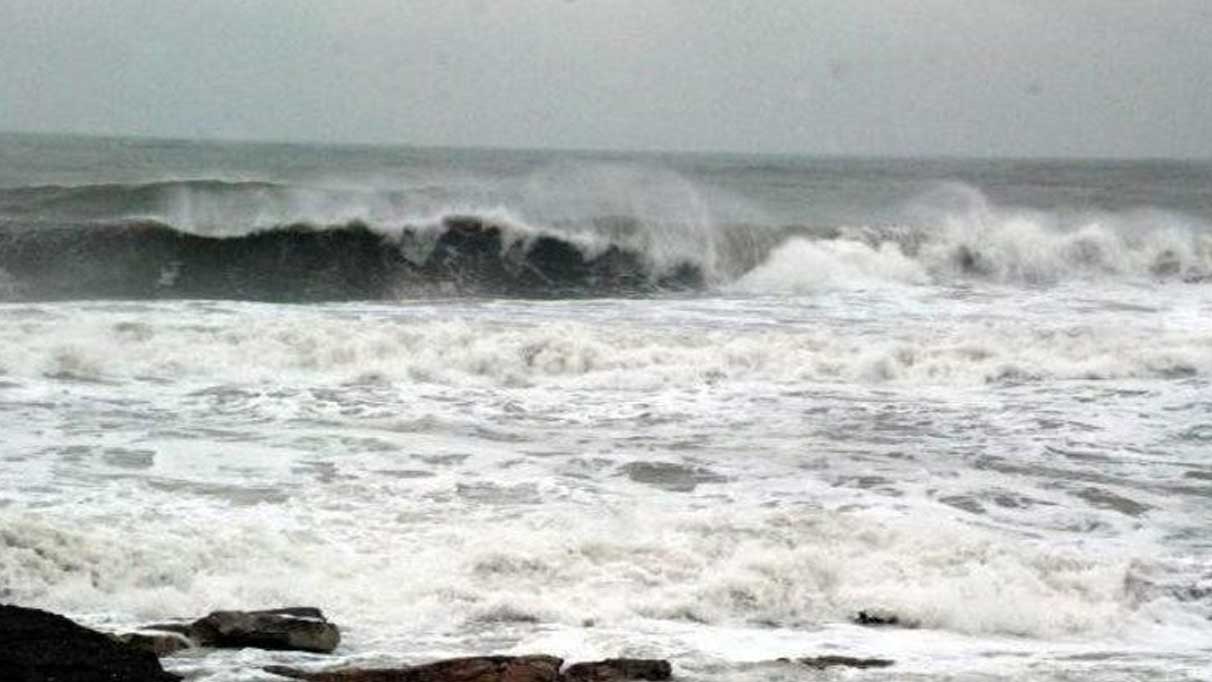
[975,394]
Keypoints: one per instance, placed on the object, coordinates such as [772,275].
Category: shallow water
[709,478]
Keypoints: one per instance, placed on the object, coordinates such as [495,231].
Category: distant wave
[211,238]
[114,201]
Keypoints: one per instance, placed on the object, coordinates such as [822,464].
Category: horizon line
[858,156]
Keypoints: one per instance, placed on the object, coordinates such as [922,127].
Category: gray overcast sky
[968,77]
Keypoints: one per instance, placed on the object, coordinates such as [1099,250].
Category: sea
[702,407]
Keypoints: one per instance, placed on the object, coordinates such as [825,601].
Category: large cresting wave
[259,240]
[455,254]
[255,240]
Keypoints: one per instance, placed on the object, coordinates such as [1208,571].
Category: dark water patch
[1080,455]
[1039,471]
[78,376]
[866,482]
[1178,370]
[1104,499]
[504,614]
[207,433]
[965,503]
[492,493]
[874,483]
[546,453]
[1198,406]
[1098,656]
[447,460]
[241,496]
[585,468]
[323,472]
[1200,433]
[73,453]
[431,424]
[670,476]
[405,473]
[224,393]
[129,459]
[133,331]
[1053,424]
[508,565]
[344,444]
[1008,500]
[1198,475]
[497,435]
[1195,491]
[693,443]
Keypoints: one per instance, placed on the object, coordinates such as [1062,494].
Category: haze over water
[703,407]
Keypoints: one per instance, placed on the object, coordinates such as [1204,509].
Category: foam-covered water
[974,396]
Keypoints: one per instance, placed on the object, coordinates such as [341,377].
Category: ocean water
[689,406]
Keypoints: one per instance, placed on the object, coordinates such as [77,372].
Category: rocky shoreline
[39,646]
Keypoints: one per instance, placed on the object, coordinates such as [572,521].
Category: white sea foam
[966,233]
[442,478]
[989,243]
[566,565]
[804,266]
[254,345]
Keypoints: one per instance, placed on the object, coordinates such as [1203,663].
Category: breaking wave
[266,241]
[614,569]
[955,233]
[301,262]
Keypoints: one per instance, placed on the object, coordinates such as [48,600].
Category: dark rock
[613,669]
[876,618]
[36,646]
[299,628]
[822,662]
[471,669]
[290,629]
[155,643]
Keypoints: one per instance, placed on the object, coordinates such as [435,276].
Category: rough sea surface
[697,407]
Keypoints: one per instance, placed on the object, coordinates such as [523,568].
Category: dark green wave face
[464,255]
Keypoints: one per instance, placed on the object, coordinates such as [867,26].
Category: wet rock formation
[618,669]
[823,662]
[876,618]
[495,669]
[299,628]
[36,646]
[470,669]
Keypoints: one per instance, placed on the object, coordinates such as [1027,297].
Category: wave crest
[454,254]
[604,231]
